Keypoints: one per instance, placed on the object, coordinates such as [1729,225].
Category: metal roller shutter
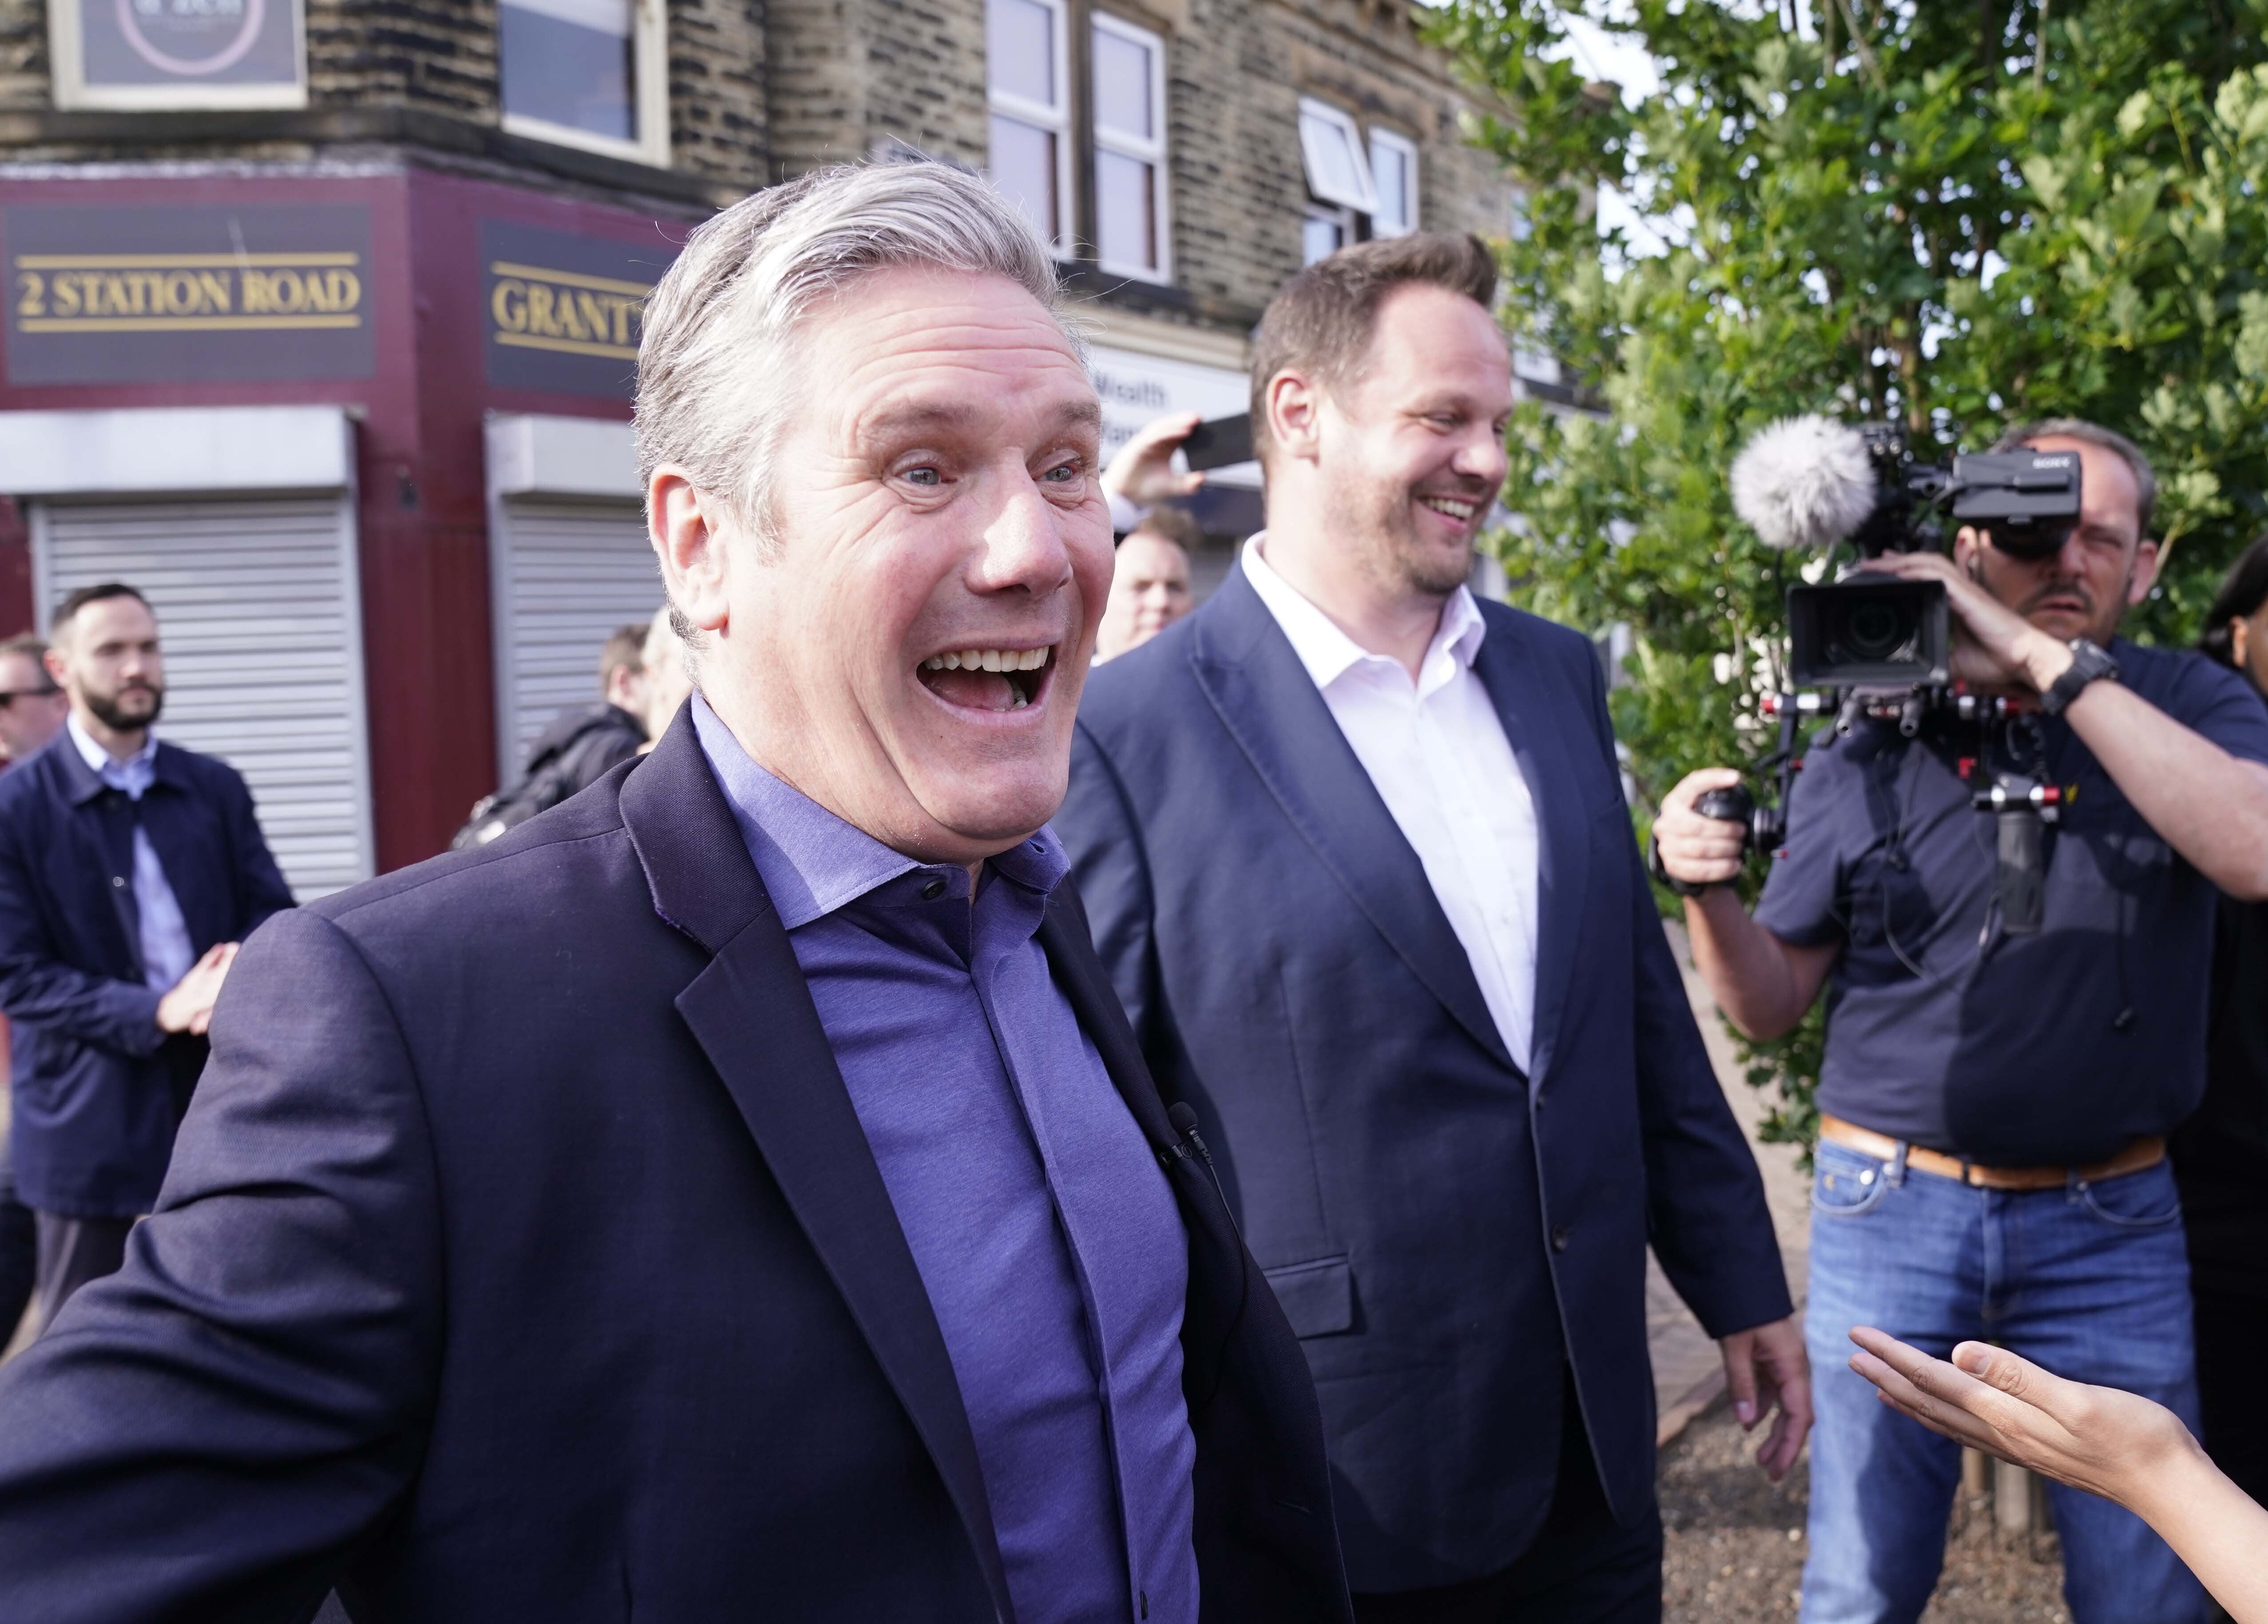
[260,610]
[567,573]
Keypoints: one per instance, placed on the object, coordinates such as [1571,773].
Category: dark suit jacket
[99,1090]
[1444,1236]
[523,1257]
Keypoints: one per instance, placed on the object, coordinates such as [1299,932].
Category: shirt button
[1558,1237]
[931,892]
[119,880]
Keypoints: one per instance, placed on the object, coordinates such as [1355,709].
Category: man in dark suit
[129,871]
[735,1192]
[1355,849]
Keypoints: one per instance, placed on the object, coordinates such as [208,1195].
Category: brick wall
[848,76]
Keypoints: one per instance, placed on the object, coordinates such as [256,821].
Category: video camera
[1870,644]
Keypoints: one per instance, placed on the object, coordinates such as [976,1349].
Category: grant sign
[102,294]
[565,314]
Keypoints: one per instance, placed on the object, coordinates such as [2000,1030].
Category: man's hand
[1766,1366]
[189,1006]
[1994,647]
[1700,851]
[1143,470]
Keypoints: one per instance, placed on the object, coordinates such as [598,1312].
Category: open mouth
[1452,508]
[996,679]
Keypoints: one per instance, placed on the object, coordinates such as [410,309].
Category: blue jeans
[2090,1281]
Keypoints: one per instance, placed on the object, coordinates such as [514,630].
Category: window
[586,73]
[1027,78]
[1324,233]
[1338,172]
[1393,174]
[1131,235]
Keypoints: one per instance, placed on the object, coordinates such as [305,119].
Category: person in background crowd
[2109,1443]
[1992,1158]
[669,673]
[2221,1154]
[1353,844]
[32,711]
[1149,583]
[582,745]
[735,1192]
[129,871]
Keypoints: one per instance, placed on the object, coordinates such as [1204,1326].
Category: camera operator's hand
[1142,472]
[1700,851]
[1994,648]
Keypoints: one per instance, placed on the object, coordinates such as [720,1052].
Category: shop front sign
[565,314]
[104,294]
[147,54]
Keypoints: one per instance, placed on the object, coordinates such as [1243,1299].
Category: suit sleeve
[207,1433]
[265,891]
[1706,1215]
[1104,843]
[39,989]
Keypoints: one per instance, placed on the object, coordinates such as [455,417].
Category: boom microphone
[1804,482]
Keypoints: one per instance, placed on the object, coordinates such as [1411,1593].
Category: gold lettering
[67,294]
[509,305]
[212,291]
[33,300]
[345,289]
[539,310]
[591,307]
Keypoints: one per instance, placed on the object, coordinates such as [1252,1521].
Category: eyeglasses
[9,696]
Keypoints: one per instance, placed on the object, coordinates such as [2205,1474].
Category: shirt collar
[812,861]
[1328,652]
[140,764]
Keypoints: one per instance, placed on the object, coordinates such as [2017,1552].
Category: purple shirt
[1041,1223]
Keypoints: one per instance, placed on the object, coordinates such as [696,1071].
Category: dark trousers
[72,1252]
[1582,1567]
[20,1250]
[2232,1327]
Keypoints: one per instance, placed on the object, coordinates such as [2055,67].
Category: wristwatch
[2090,662]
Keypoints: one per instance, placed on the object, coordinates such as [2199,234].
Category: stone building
[321,314]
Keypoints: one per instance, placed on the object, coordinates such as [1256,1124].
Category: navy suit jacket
[1447,1235]
[523,1257]
[98,1089]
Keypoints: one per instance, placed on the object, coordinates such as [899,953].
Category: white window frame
[650,87]
[1406,150]
[1057,119]
[1338,215]
[67,51]
[1151,152]
[1363,200]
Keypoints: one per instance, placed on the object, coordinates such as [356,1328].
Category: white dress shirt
[1436,752]
[167,951]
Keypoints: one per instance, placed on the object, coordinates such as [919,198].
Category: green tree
[1944,216]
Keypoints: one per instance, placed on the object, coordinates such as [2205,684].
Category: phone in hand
[1220,442]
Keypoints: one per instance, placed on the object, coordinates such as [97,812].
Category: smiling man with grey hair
[735,1190]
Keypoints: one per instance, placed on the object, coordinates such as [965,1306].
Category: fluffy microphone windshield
[1804,482]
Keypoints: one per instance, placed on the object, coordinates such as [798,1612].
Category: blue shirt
[1040,1221]
[166,952]
[2051,1049]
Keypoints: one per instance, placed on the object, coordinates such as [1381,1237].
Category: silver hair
[716,381]
[2138,463]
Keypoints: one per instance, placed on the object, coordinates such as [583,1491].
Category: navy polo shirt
[2056,1048]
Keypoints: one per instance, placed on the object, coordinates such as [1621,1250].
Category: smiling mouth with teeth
[1450,507]
[988,678]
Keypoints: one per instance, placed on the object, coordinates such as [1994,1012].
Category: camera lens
[1875,629]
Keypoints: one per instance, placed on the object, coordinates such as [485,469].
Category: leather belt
[2148,1151]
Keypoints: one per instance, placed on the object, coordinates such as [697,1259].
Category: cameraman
[1994,1107]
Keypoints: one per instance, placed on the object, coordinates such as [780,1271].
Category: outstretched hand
[1143,470]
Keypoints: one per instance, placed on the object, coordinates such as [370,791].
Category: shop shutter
[567,574]
[259,612]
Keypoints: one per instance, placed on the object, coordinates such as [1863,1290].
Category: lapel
[752,1016]
[102,822]
[1264,696]
[1535,719]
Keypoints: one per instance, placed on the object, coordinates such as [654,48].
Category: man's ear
[2240,641]
[53,659]
[1966,545]
[688,527]
[1294,414]
[2143,574]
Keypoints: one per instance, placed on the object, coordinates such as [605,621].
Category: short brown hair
[625,646]
[1178,526]
[1322,321]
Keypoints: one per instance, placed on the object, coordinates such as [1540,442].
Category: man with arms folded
[1992,1161]
[1355,848]
[735,1192]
